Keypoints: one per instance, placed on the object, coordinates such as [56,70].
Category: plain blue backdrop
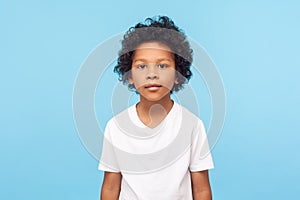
[255,45]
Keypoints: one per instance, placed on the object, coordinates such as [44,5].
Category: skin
[153,65]
[153,75]
[201,186]
[111,186]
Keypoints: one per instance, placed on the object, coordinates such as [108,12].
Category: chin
[155,97]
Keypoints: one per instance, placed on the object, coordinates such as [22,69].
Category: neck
[146,105]
[151,113]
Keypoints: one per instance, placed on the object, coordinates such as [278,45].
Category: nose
[152,73]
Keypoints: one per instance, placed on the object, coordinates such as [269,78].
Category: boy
[156,149]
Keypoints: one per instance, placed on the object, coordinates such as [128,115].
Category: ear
[176,81]
[130,81]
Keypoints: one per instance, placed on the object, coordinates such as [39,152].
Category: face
[153,70]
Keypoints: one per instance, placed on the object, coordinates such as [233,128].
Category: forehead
[153,51]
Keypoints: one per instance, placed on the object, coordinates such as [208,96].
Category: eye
[162,66]
[141,66]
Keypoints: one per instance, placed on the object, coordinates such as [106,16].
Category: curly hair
[162,30]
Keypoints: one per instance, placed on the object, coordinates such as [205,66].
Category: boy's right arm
[111,186]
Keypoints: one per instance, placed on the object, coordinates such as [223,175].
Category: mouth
[153,86]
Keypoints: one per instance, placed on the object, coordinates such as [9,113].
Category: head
[155,36]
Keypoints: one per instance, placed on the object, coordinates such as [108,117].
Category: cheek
[137,80]
[169,80]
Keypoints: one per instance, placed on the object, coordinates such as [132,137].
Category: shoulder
[121,117]
[189,116]
[190,123]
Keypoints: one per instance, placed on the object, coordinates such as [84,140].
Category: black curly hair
[157,29]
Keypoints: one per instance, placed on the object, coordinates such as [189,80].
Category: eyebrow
[144,60]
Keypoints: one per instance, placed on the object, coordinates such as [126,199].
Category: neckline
[138,121]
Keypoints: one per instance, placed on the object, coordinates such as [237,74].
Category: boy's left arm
[201,186]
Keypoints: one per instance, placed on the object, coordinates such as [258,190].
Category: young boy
[156,149]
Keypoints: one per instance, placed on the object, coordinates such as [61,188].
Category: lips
[153,86]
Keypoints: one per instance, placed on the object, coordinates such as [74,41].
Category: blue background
[255,45]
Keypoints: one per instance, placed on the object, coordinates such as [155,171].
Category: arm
[111,186]
[200,185]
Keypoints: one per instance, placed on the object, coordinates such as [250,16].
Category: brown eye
[141,66]
[162,66]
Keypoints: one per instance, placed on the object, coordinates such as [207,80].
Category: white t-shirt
[156,163]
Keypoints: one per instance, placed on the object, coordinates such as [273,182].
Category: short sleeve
[108,161]
[201,158]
